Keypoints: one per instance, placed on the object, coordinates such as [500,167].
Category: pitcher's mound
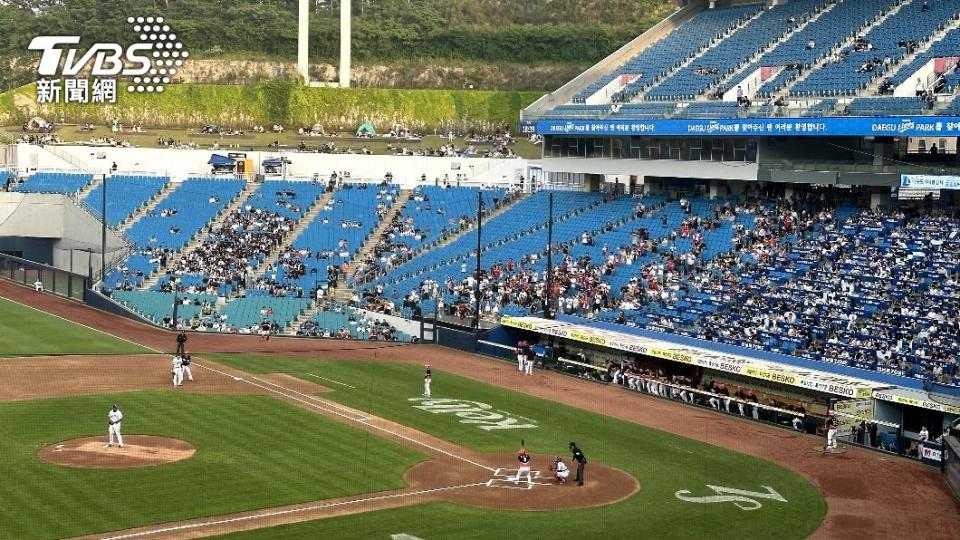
[137,451]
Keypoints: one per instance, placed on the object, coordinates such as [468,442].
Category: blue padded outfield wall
[911,126]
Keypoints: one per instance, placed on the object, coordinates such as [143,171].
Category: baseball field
[334,439]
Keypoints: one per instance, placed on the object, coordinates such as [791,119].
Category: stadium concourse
[908,506]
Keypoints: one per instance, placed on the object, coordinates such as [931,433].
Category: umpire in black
[581,462]
[181,342]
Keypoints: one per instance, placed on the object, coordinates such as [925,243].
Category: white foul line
[272,513]
[331,409]
[331,380]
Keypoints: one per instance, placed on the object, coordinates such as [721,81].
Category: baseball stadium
[479,269]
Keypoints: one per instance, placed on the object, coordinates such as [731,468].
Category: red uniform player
[523,467]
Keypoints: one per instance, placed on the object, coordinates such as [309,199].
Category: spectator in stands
[920,88]
[811,44]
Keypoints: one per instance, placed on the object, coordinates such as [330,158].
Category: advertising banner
[929,181]
[904,126]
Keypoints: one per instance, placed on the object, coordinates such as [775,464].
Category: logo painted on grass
[742,499]
[148,64]
[474,412]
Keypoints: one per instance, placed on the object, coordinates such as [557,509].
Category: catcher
[560,470]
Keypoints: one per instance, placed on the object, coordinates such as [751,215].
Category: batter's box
[504,478]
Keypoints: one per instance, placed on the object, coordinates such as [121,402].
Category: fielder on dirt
[185,364]
[176,369]
[560,470]
[832,425]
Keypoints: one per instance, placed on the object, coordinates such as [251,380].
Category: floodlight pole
[476,287]
[345,34]
[546,307]
[303,40]
[103,232]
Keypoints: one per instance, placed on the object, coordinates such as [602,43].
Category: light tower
[303,41]
[345,7]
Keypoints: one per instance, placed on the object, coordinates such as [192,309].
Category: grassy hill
[182,105]
[389,34]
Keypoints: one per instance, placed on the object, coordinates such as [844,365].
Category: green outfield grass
[663,463]
[253,452]
[28,332]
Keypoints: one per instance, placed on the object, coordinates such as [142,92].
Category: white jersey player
[560,470]
[427,379]
[176,368]
[114,416]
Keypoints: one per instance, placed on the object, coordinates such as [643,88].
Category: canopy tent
[37,124]
[366,129]
[275,163]
[221,161]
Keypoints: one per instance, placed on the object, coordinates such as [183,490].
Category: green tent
[366,130]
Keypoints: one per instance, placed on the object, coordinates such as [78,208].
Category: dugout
[876,410]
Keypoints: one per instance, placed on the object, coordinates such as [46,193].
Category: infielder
[176,368]
[114,416]
[427,378]
[186,367]
[832,424]
[560,470]
[523,466]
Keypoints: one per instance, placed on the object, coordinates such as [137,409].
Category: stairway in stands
[294,234]
[201,235]
[785,91]
[366,250]
[873,88]
[150,206]
[344,292]
[726,81]
[82,194]
[639,97]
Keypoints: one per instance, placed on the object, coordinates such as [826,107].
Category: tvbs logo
[147,65]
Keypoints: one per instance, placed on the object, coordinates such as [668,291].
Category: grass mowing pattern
[28,332]
[252,452]
[664,464]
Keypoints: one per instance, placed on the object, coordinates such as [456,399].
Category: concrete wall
[179,164]
[407,326]
[72,234]
[653,167]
